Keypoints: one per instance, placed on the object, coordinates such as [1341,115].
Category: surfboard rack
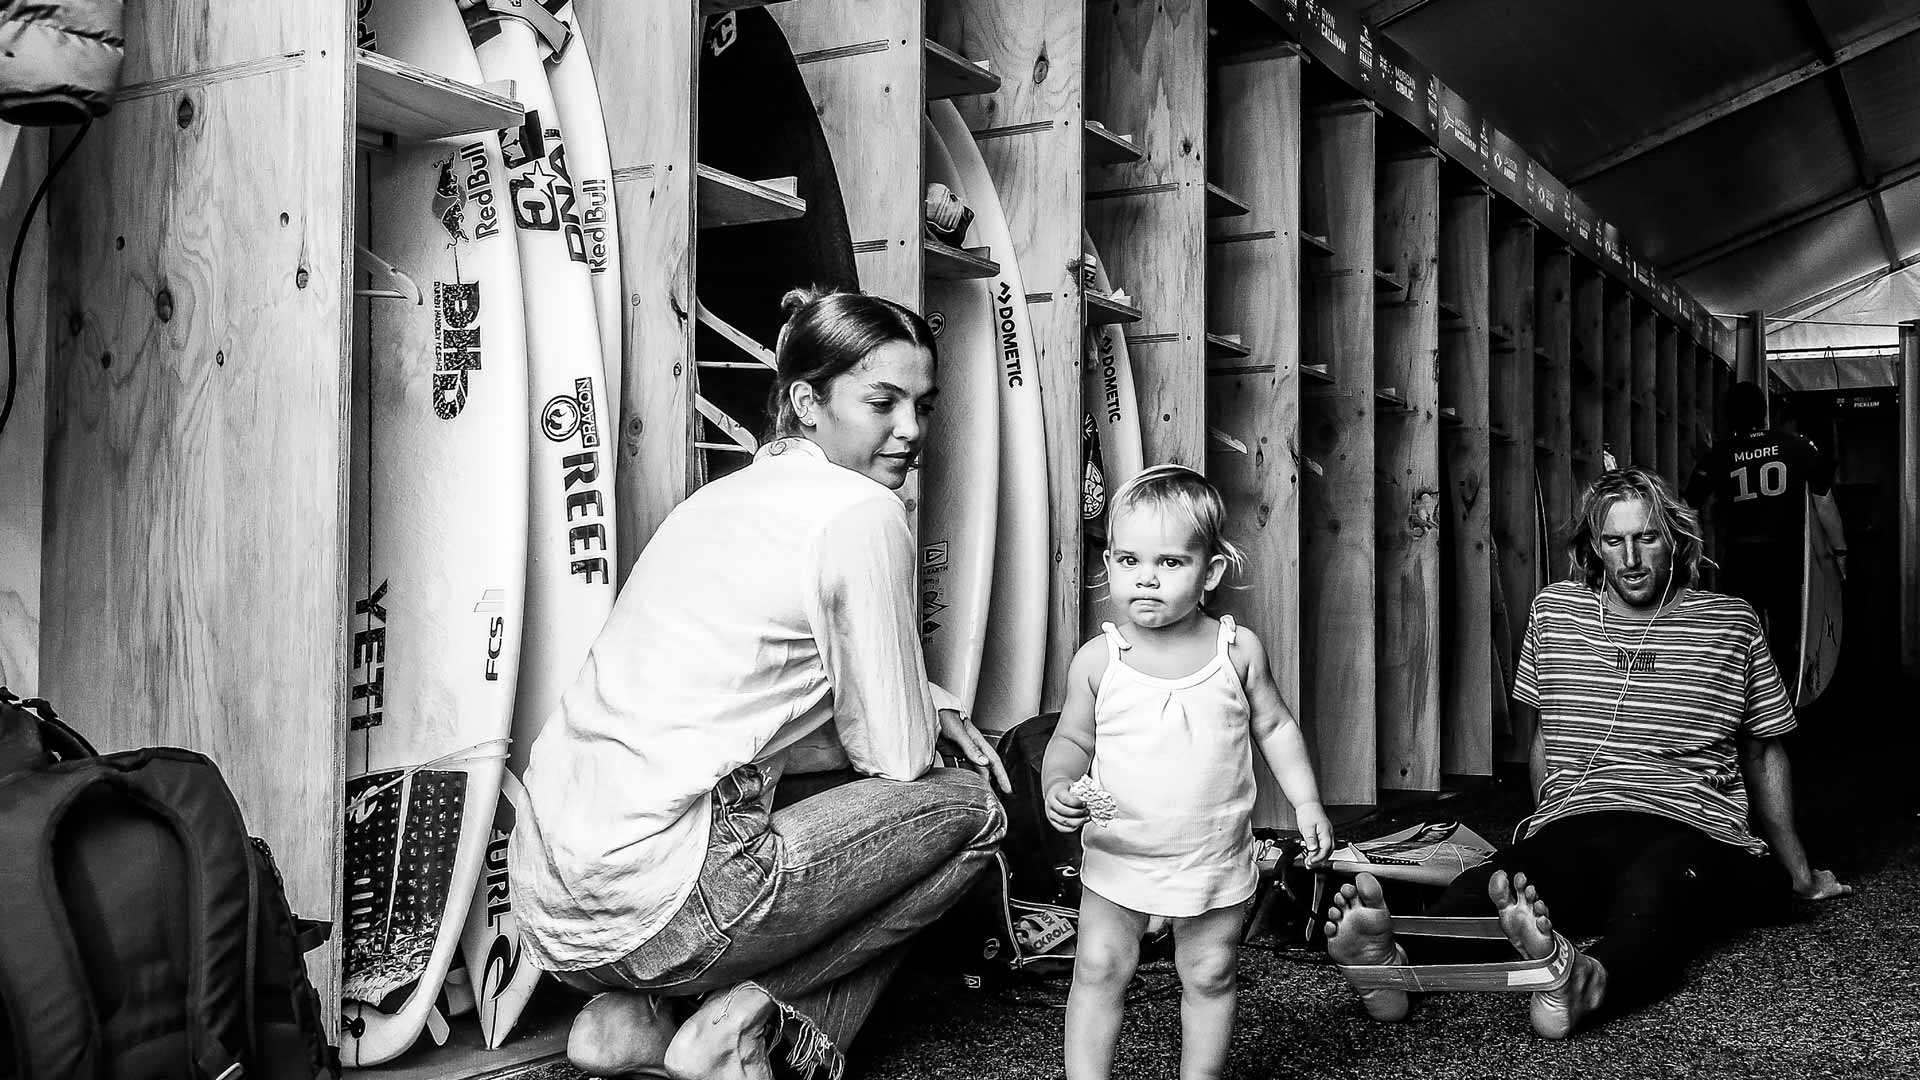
[743,440]
[1385,281]
[1104,310]
[1104,147]
[1315,245]
[725,199]
[1316,373]
[1223,346]
[735,337]
[1222,203]
[946,261]
[1220,440]
[1391,397]
[398,100]
[403,287]
[951,75]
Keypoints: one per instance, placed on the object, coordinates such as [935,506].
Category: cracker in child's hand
[1100,802]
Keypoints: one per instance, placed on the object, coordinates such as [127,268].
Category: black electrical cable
[13,265]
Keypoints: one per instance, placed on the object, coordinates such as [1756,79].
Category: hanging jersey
[1758,482]
[1176,755]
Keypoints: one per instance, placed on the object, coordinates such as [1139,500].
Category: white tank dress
[1177,757]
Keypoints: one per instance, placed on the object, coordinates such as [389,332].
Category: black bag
[147,934]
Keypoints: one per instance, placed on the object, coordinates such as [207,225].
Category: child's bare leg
[1206,952]
[1104,956]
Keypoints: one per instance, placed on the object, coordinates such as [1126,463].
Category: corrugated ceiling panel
[1750,168]
[1851,20]
[1903,214]
[1574,80]
[1884,87]
[1792,265]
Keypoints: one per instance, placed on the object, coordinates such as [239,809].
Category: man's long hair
[1667,513]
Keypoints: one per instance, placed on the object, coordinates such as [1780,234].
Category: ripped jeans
[815,902]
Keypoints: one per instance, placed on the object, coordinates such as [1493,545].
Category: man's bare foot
[1360,931]
[1556,1014]
[725,1038]
[620,1033]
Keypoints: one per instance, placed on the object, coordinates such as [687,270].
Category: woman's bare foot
[620,1033]
[1557,1013]
[1360,931]
[725,1038]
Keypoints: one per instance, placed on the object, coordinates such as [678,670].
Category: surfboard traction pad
[403,830]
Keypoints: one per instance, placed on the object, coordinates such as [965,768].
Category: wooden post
[1408,514]
[1146,75]
[863,64]
[1553,398]
[1466,718]
[1030,133]
[194,582]
[1253,303]
[23,442]
[1336,512]
[1686,389]
[1516,551]
[1750,353]
[1666,390]
[1645,441]
[1617,387]
[1589,373]
[1909,480]
[645,62]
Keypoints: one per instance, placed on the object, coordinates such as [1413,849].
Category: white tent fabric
[1850,343]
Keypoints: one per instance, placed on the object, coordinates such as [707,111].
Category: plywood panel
[1146,74]
[1553,397]
[171,40]
[1029,131]
[1589,372]
[1253,290]
[1516,551]
[1686,406]
[1617,374]
[1338,650]
[21,441]
[1645,415]
[1666,400]
[1466,719]
[862,64]
[1407,514]
[644,58]
[195,530]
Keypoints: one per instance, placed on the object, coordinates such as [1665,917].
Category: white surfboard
[959,469]
[1821,589]
[571,540]
[576,95]
[437,554]
[1106,388]
[1013,664]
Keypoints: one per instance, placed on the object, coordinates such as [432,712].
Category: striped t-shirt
[1646,717]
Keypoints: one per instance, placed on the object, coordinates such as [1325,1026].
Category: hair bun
[800,296]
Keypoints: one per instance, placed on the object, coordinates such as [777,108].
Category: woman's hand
[1065,810]
[959,733]
[1822,885]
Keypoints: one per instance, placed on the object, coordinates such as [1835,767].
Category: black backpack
[147,935]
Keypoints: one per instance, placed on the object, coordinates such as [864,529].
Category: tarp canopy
[1764,154]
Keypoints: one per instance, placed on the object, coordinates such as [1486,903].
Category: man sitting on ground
[1660,717]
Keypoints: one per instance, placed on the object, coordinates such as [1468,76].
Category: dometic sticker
[368,667]
[1109,375]
[456,344]
[1009,337]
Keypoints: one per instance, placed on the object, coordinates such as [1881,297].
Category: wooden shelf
[1542,357]
[1225,346]
[1103,310]
[1389,395]
[1499,434]
[395,98]
[1450,416]
[1316,373]
[1222,204]
[726,199]
[948,262]
[1103,147]
[1542,446]
[1384,281]
[1449,313]
[1498,336]
[951,75]
[1315,245]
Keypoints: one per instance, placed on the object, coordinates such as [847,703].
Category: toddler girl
[1152,758]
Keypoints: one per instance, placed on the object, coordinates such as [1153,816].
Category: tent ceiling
[1760,152]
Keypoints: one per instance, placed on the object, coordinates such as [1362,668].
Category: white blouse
[770,602]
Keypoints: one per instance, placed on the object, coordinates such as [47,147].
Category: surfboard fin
[1224,441]
[398,285]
